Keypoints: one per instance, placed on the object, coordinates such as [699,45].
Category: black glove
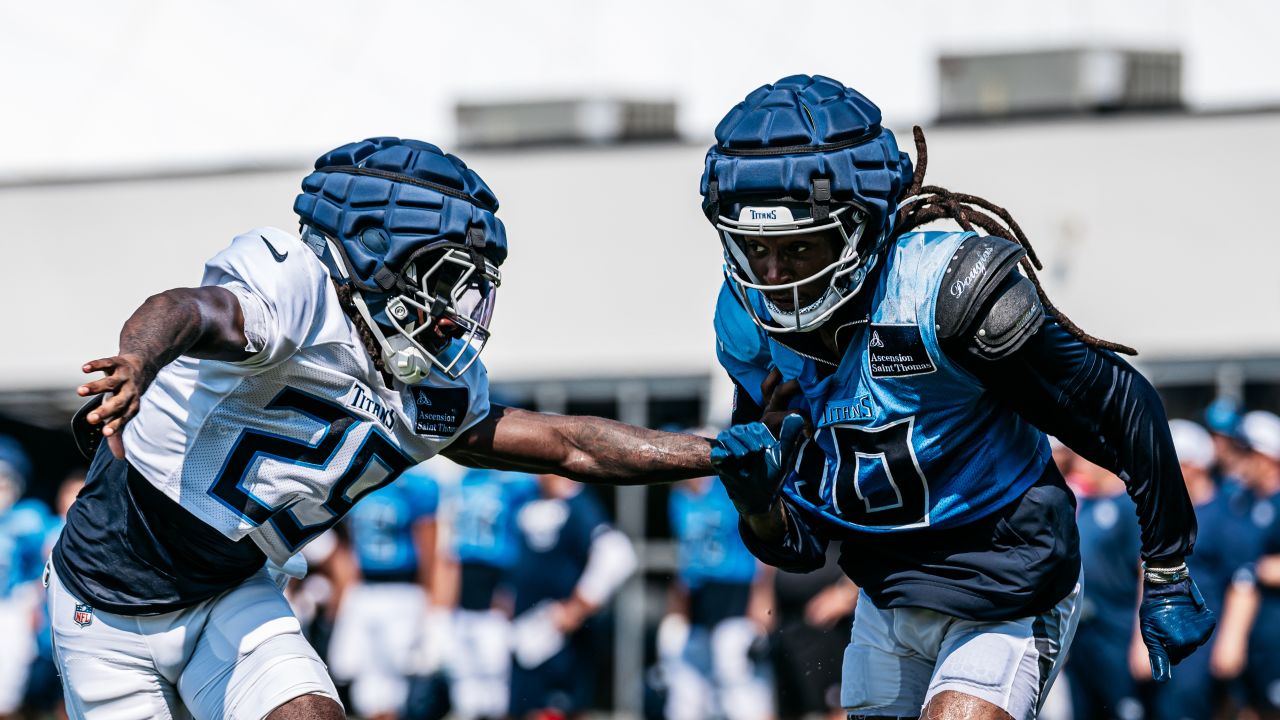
[1173,618]
[752,464]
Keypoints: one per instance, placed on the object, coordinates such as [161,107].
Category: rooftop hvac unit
[1058,81]
[571,122]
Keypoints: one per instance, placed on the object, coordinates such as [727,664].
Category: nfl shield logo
[84,615]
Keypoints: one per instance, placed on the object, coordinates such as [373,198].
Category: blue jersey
[709,548]
[382,526]
[23,529]
[1109,547]
[1222,547]
[484,521]
[555,543]
[1265,527]
[905,438]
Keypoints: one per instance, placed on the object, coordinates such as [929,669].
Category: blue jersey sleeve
[1108,412]
[741,346]
[802,550]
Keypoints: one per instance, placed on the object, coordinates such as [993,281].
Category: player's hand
[834,603]
[777,396]
[1173,619]
[752,464]
[569,615]
[127,378]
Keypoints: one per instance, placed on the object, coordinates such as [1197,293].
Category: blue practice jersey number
[338,421]
[878,482]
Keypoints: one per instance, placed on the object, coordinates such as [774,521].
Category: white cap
[1261,432]
[1192,443]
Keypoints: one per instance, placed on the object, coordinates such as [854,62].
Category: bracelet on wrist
[1165,575]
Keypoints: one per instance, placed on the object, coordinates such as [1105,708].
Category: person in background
[43,695]
[1248,643]
[1222,419]
[1099,666]
[485,546]
[813,614]
[719,612]
[571,562]
[22,529]
[382,617]
[1197,694]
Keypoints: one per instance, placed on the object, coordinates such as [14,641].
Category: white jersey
[280,446]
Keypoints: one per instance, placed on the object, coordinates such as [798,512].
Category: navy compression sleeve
[1102,408]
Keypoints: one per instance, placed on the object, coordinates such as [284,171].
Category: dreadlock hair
[921,204]
[347,302]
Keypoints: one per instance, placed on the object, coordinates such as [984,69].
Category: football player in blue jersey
[720,605]
[22,528]
[571,563]
[1220,551]
[1249,642]
[381,620]
[1101,685]
[246,416]
[486,545]
[928,369]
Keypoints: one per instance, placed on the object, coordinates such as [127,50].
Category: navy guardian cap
[803,155]
[414,232]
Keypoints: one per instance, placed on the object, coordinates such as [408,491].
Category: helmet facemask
[843,277]
[436,315]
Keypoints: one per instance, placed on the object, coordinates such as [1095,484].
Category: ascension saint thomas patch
[897,351]
[439,412]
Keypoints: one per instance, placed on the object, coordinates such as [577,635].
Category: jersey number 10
[878,481]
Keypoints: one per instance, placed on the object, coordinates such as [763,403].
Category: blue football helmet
[413,231]
[803,155]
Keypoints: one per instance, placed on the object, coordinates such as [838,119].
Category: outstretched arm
[203,322]
[586,449]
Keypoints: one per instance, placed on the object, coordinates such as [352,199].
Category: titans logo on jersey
[279,447]
[904,438]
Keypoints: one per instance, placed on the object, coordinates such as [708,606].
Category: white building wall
[1154,232]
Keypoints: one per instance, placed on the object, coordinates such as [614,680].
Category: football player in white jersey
[246,416]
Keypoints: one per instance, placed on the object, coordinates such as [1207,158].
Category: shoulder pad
[1014,315]
[973,274]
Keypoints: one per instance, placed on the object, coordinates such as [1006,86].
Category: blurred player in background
[813,613]
[1222,420]
[44,690]
[1220,551]
[382,617]
[485,547]
[571,562]
[246,416]
[1097,668]
[928,370]
[1249,641]
[719,612]
[23,524]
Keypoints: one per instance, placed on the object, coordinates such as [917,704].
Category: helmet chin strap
[405,360]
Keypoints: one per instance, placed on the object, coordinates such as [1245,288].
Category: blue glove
[752,464]
[1173,619]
